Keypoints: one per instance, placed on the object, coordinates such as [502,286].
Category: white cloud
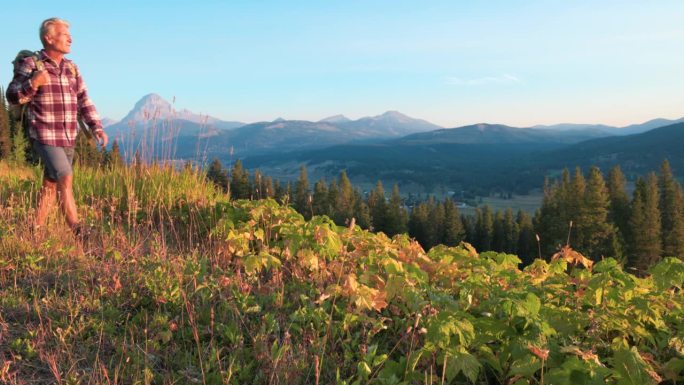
[501,79]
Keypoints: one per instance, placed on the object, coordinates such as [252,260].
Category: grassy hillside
[177,284]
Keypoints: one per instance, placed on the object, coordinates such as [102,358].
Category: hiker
[55,96]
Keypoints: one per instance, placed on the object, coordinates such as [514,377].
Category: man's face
[60,39]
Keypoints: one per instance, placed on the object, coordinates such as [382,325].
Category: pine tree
[596,237]
[239,182]
[20,144]
[453,227]
[269,191]
[255,186]
[378,207]
[484,229]
[469,229]
[619,211]
[361,211]
[418,224]
[552,218]
[321,203]
[5,137]
[526,248]
[344,201]
[302,201]
[645,226]
[511,233]
[114,158]
[574,200]
[86,152]
[278,191]
[396,216]
[671,207]
[435,223]
[579,183]
[333,191]
[218,175]
[498,232]
[287,193]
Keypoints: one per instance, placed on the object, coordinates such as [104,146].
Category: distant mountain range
[287,135]
[397,148]
[612,130]
[153,120]
[500,134]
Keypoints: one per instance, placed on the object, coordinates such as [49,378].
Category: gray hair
[47,26]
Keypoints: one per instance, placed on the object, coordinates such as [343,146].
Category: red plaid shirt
[54,107]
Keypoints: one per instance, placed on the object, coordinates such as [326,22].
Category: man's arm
[87,110]
[23,87]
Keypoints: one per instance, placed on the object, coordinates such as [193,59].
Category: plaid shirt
[54,107]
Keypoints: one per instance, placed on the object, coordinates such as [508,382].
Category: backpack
[19,111]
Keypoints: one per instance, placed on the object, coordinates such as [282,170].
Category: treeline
[601,219]
[598,218]
[14,145]
[430,222]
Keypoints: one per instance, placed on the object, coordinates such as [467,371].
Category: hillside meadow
[178,284]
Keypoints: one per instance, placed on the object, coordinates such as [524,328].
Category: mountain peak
[335,119]
[152,98]
[392,115]
[153,107]
[149,107]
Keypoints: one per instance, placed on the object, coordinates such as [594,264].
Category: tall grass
[64,316]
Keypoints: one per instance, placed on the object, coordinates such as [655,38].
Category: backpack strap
[72,68]
[39,63]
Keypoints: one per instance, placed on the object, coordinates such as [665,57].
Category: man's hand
[101,137]
[39,78]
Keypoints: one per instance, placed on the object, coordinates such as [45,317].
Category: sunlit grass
[13,171]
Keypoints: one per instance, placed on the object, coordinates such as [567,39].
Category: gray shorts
[57,160]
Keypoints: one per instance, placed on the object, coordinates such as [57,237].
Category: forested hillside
[495,158]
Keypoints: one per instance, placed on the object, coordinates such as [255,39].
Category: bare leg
[64,186]
[46,200]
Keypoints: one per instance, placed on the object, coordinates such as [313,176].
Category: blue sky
[450,62]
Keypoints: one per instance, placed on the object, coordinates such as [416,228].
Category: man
[56,94]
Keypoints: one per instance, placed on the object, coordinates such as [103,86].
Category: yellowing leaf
[379,300]
[308,259]
[350,285]
[571,256]
[392,266]
[471,250]
[542,354]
